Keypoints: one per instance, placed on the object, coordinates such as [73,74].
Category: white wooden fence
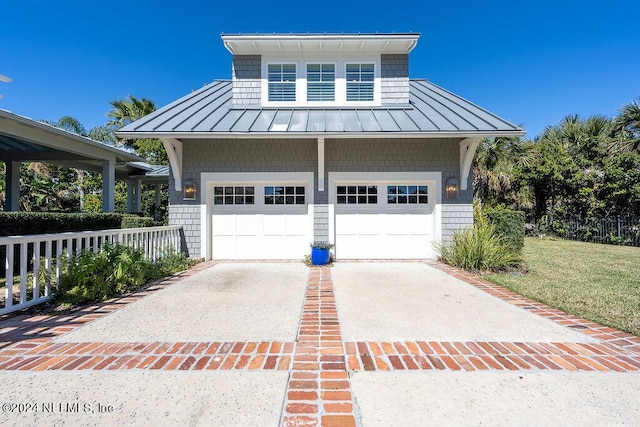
[38,259]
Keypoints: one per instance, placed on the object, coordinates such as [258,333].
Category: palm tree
[627,126]
[495,171]
[128,110]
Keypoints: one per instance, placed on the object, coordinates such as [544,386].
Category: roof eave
[26,123]
[269,43]
[314,135]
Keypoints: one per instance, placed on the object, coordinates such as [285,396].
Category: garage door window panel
[357,194]
[407,194]
[284,195]
[233,195]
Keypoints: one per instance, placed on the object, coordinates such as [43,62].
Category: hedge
[132,221]
[508,224]
[21,223]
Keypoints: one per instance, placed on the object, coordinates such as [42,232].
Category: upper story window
[360,79]
[282,82]
[321,82]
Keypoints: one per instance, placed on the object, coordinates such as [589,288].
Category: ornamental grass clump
[479,248]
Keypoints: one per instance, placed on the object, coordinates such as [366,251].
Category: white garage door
[384,220]
[260,220]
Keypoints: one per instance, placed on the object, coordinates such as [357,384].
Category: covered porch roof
[25,140]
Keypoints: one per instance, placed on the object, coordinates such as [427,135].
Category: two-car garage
[370,215]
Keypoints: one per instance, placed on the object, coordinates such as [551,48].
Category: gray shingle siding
[455,217]
[188,216]
[246,71]
[341,155]
[394,79]
[396,155]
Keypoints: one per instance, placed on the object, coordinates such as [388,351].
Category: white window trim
[340,62]
[265,82]
[335,82]
[377,91]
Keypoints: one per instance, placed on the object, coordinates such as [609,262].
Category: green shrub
[21,223]
[172,262]
[97,276]
[114,270]
[479,248]
[508,224]
[132,221]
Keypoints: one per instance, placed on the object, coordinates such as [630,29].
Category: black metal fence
[616,230]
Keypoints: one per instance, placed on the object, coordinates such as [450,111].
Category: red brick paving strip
[613,336]
[319,389]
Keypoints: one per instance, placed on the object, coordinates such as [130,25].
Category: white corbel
[320,164]
[468,149]
[174,152]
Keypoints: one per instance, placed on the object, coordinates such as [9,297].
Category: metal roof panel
[211,110]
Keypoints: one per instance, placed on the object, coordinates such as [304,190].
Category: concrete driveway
[363,344]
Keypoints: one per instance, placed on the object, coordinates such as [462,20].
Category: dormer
[320,70]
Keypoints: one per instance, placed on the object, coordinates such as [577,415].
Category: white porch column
[12,192]
[157,204]
[320,164]
[108,185]
[137,201]
[129,195]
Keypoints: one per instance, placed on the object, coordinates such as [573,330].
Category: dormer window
[360,80]
[282,82]
[321,82]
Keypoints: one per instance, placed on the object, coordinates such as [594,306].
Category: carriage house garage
[320,137]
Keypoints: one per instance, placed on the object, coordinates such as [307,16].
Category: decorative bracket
[468,149]
[174,152]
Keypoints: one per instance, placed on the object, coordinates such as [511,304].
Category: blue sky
[530,61]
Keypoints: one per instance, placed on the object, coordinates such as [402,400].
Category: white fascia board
[381,43]
[304,135]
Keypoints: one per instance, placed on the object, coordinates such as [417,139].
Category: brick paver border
[603,333]
[319,362]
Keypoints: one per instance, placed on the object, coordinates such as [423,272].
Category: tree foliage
[580,167]
[49,188]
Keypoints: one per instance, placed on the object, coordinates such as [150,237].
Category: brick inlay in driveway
[319,389]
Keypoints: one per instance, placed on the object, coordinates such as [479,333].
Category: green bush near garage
[508,224]
[133,221]
[479,248]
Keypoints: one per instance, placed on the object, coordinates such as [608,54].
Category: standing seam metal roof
[431,109]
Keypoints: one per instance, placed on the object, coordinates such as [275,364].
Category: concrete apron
[391,316]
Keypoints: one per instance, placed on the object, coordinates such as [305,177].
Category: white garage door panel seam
[258,231]
[383,230]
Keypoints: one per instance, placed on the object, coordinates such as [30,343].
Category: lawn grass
[594,281]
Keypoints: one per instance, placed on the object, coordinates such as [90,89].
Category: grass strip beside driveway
[594,281]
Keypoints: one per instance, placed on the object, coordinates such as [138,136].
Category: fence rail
[33,264]
[619,230]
